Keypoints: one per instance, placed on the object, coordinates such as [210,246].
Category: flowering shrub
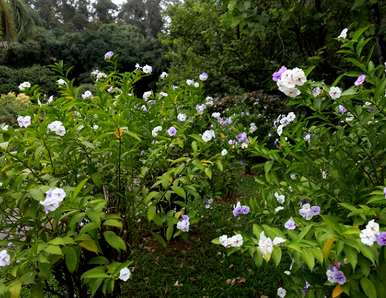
[322,187]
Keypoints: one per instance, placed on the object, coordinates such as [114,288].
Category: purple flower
[242,137]
[384,192]
[334,275]
[360,80]
[172,131]
[342,109]
[183,224]
[240,210]
[381,238]
[316,91]
[306,287]
[315,210]
[109,55]
[277,75]
[290,224]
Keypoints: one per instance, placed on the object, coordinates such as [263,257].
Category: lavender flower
[306,287]
[203,76]
[360,80]
[316,91]
[172,131]
[183,224]
[242,137]
[334,275]
[384,192]
[240,210]
[290,224]
[276,76]
[308,212]
[109,55]
[381,238]
[342,109]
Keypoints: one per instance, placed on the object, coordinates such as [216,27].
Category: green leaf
[15,289]
[114,240]
[169,232]
[77,190]
[208,172]
[53,250]
[351,256]
[276,255]
[368,287]
[98,272]
[71,258]
[113,223]
[179,191]
[151,212]
[309,259]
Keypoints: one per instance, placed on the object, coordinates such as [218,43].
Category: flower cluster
[334,275]
[288,79]
[282,121]
[308,212]
[239,209]
[371,234]
[183,224]
[98,75]
[57,127]
[54,196]
[234,241]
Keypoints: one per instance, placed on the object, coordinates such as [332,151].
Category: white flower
[146,95]
[196,84]
[350,117]
[61,82]
[24,121]
[244,145]
[124,274]
[290,92]
[5,259]
[208,135]
[265,245]
[224,152]
[281,292]
[144,108]
[147,69]
[223,240]
[87,94]
[95,127]
[189,82]
[235,241]
[57,127]
[335,92]
[54,196]
[4,127]
[163,94]
[343,34]
[209,101]
[298,76]
[181,117]
[279,130]
[101,76]
[155,131]
[203,76]
[200,108]
[369,234]
[307,137]
[252,127]
[278,240]
[216,115]
[278,209]
[25,85]
[163,75]
[50,99]
[286,80]
[279,198]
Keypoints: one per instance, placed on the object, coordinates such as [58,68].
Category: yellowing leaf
[118,134]
[90,245]
[327,247]
[15,289]
[337,291]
